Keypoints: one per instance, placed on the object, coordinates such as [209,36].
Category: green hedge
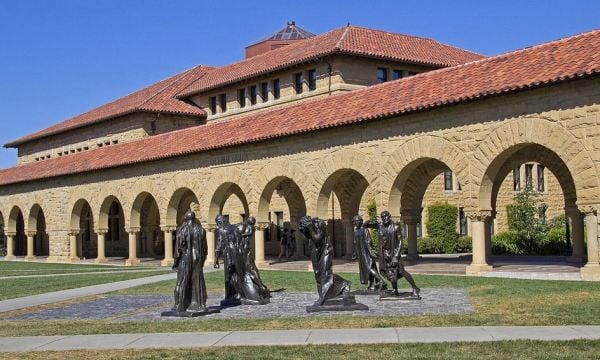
[551,242]
[462,244]
[441,228]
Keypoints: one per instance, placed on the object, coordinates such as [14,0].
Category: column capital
[479,215]
[74,232]
[101,231]
[262,226]
[588,209]
[133,230]
[209,227]
[168,228]
[30,233]
[11,233]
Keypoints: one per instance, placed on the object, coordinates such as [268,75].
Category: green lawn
[20,268]
[496,302]
[455,351]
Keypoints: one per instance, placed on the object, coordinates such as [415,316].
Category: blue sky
[60,58]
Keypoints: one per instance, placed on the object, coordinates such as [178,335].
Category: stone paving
[283,305]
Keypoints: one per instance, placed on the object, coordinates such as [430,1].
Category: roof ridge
[342,38]
[179,78]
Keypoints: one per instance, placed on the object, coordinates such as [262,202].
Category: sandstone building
[317,125]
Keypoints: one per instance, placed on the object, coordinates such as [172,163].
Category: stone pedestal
[259,244]
[211,244]
[345,303]
[30,254]
[73,247]
[101,259]
[577,236]
[591,270]
[10,249]
[168,260]
[479,226]
[190,314]
[133,259]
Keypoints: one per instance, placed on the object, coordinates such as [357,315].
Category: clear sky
[60,58]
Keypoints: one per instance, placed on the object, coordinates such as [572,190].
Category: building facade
[320,126]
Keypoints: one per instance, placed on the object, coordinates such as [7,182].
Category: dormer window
[223,102]
[397,74]
[242,97]
[276,89]
[212,103]
[264,91]
[298,82]
[382,75]
[253,94]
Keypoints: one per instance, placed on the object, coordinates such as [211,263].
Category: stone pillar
[259,244]
[211,244]
[133,259]
[349,238]
[30,239]
[73,246]
[591,270]
[101,259]
[576,236]
[168,260]
[480,227]
[411,218]
[10,246]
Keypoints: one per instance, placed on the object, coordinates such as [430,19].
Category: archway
[182,200]
[229,200]
[82,224]
[536,168]
[37,227]
[16,228]
[112,220]
[145,216]
[338,201]
[281,205]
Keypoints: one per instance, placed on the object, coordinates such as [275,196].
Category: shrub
[506,243]
[554,242]
[464,244]
[430,246]
[372,212]
[441,227]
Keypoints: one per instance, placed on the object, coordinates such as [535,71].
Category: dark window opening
[462,219]
[312,79]
[213,104]
[276,89]
[298,82]
[448,186]
[540,178]
[242,97]
[516,179]
[264,91]
[397,74]
[382,75]
[253,94]
[223,102]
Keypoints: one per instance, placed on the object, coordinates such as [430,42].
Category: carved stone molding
[262,226]
[479,215]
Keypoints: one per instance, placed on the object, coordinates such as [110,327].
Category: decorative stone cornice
[479,215]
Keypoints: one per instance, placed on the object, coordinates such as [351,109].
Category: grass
[496,301]
[19,268]
[455,351]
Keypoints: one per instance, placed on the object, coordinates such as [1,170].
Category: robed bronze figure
[366,256]
[390,257]
[190,255]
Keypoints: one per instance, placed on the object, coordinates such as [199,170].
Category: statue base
[230,302]
[347,303]
[388,295]
[190,314]
[255,302]
[367,292]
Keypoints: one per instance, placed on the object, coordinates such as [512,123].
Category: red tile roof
[542,65]
[159,98]
[351,40]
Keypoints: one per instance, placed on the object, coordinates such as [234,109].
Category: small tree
[441,225]
[525,220]
[372,212]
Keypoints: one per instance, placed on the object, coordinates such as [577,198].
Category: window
[253,94]
[529,176]
[242,97]
[462,220]
[516,179]
[223,102]
[382,75]
[276,89]
[264,91]
[411,73]
[540,178]
[298,82]
[448,181]
[312,79]
[397,74]
[212,101]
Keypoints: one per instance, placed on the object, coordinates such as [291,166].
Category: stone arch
[145,218]
[220,197]
[292,194]
[36,227]
[111,219]
[182,199]
[82,225]
[507,142]
[349,186]
[426,156]
[16,228]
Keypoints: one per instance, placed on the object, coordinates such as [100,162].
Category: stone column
[30,240]
[349,238]
[480,227]
[101,259]
[73,246]
[211,243]
[168,260]
[576,235]
[133,259]
[411,218]
[10,246]
[259,244]
[591,270]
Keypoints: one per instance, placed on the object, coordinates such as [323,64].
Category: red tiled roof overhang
[542,65]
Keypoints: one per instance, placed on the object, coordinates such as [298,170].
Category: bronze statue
[367,258]
[227,248]
[334,291]
[191,253]
[390,258]
[250,287]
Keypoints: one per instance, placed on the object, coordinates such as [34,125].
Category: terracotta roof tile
[347,40]
[159,97]
[570,58]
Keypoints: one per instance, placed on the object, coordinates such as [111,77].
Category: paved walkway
[297,337]
[64,295]
[130,270]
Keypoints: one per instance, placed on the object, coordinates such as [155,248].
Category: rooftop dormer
[283,37]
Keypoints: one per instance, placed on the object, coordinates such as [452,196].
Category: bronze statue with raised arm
[367,258]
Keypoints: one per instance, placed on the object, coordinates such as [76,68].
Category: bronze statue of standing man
[390,257]
[367,258]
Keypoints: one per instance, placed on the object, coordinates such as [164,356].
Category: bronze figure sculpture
[227,248]
[190,256]
[390,258]
[334,291]
[367,258]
